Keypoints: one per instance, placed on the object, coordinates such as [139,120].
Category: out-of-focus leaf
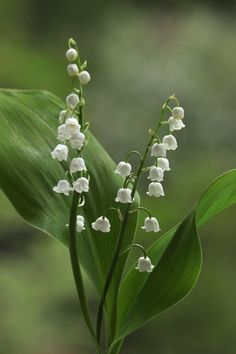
[28,125]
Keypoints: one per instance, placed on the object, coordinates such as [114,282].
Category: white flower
[163,163]
[178,113]
[60,152]
[102,224]
[72,100]
[144,265]
[80,223]
[81,185]
[170,142]
[77,141]
[84,77]
[72,127]
[155,189]
[72,69]
[158,150]
[124,195]
[62,133]
[63,186]
[77,164]
[175,124]
[123,169]
[151,224]
[156,174]
[71,54]
[62,116]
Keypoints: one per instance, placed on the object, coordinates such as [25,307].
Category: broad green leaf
[219,195]
[173,277]
[28,125]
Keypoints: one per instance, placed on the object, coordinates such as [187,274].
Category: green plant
[102,235]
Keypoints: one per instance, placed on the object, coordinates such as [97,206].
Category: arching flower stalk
[158,149]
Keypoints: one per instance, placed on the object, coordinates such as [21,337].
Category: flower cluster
[158,148]
[125,195]
[71,131]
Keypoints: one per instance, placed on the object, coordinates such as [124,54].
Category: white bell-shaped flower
[62,117]
[144,265]
[170,142]
[72,100]
[175,124]
[156,174]
[72,69]
[158,150]
[77,141]
[81,185]
[80,223]
[102,224]
[63,186]
[124,196]
[60,152]
[72,126]
[84,77]
[77,164]
[163,163]
[63,133]
[151,225]
[71,54]
[155,189]
[123,169]
[178,112]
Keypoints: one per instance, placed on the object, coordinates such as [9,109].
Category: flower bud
[72,127]
[151,224]
[158,150]
[62,133]
[84,77]
[170,142]
[80,223]
[62,116]
[144,265]
[102,224]
[178,113]
[163,163]
[123,169]
[72,69]
[63,186]
[124,196]
[155,189]
[72,100]
[81,185]
[71,54]
[77,164]
[60,152]
[175,124]
[156,174]
[77,141]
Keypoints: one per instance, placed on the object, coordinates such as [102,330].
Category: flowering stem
[77,269]
[123,226]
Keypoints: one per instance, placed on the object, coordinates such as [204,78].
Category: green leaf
[172,278]
[219,195]
[28,125]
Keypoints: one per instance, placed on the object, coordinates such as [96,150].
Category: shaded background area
[139,53]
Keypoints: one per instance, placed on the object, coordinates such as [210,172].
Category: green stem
[77,269]
[116,255]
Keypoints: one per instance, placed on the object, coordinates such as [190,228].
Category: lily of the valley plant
[61,181]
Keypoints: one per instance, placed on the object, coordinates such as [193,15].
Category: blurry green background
[139,52]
